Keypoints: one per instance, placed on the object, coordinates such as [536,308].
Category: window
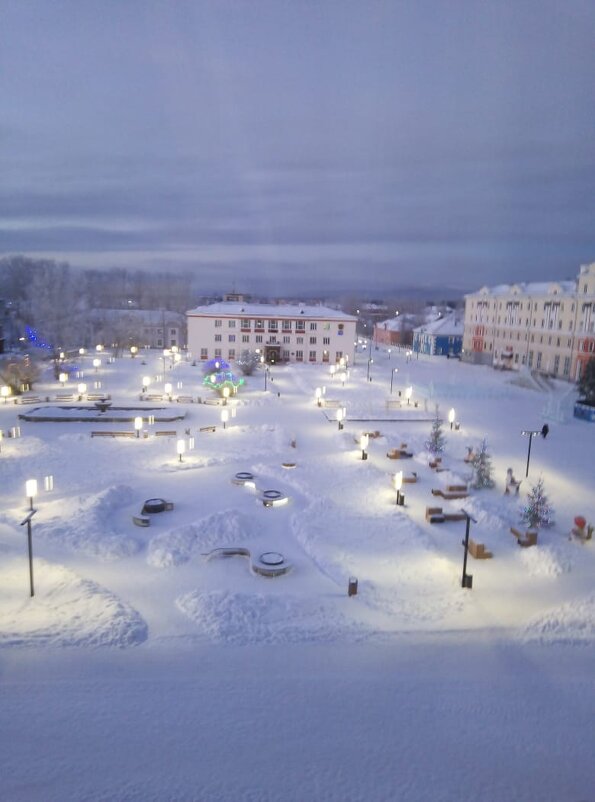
[218,324]
[326,326]
[259,325]
[286,325]
[217,338]
[530,361]
[245,338]
[231,354]
[538,360]
[300,325]
[341,329]
[556,363]
[286,340]
[258,338]
[338,356]
[313,326]
[245,324]
[312,356]
[217,352]
[312,340]
[232,338]
[231,324]
[299,356]
[566,369]
[273,326]
[299,340]
[204,353]
[273,339]
[325,356]
[326,340]
[173,332]
[285,355]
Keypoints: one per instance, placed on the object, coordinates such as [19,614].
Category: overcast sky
[320,145]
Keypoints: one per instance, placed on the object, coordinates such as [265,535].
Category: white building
[282,333]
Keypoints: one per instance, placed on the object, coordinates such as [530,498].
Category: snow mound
[65,611]
[94,525]
[242,618]
[569,623]
[224,528]
[546,561]
[489,511]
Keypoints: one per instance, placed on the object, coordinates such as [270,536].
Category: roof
[447,326]
[148,317]
[238,309]
[529,289]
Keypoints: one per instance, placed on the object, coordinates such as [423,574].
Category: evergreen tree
[482,468]
[248,362]
[437,440]
[537,512]
[586,385]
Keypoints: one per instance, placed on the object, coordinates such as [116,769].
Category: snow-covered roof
[148,317]
[447,326]
[397,323]
[531,288]
[238,309]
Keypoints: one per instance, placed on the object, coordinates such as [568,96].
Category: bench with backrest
[185,399]
[524,539]
[64,397]
[98,397]
[113,434]
[207,429]
[166,433]
[478,550]
[436,515]
[31,399]
[451,494]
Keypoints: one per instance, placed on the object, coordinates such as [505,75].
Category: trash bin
[352,588]
[401,499]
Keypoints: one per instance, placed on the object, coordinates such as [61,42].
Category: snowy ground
[214,683]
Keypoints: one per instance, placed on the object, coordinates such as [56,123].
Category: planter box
[584,412]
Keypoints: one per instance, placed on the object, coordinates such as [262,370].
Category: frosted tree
[437,441]
[482,467]
[248,362]
[537,512]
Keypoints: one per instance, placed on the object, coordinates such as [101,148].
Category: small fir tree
[537,512]
[248,362]
[437,440]
[482,468]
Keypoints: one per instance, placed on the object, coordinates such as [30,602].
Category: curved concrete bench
[273,498]
[141,520]
[269,563]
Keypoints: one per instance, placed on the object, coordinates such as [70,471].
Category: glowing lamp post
[225,393]
[224,417]
[81,352]
[389,353]
[451,417]
[392,376]
[146,383]
[398,483]
[363,442]
[63,378]
[31,492]
[408,394]
[530,435]
[96,364]
[5,391]
[181,448]
[318,396]
[167,389]
[82,389]
[340,416]
[332,370]
[133,351]
[138,425]
[343,377]
[99,348]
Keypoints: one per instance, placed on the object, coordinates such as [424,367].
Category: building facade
[281,333]
[441,337]
[395,331]
[548,327]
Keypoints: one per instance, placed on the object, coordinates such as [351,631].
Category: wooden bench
[410,478]
[185,399]
[31,399]
[435,515]
[478,550]
[449,494]
[64,397]
[524,539]
[166,433]
[207,429]
[152,396]
[113,434]
[399,453]
[98,397]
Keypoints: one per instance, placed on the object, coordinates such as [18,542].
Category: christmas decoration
[537,511]
[437,440]
[482,467]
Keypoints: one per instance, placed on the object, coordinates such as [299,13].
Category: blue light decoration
[215,365]
[34,339]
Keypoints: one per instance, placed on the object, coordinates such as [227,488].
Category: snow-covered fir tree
[437,440]
[482,467]
[537,512]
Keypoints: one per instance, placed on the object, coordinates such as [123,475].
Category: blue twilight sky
[291,145]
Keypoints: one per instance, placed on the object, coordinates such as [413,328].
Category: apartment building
[282,333]
[547,326]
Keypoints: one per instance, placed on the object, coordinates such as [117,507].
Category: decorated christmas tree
[482,468]
[537,512]
[437,440]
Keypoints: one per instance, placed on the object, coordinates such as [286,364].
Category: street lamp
[224,417]
[389,353]
[318,396]
[5,391]
[530,435]
[31,491]
[82,389]
[138,425]
[146,383]
[340,417]
[451,417]
[408,394]
[133,351]
[363,442]
[370,361]
[398,483]
[332,370]
[167,388]
[467,580]
[180,447]
[225,393]
[63,378]
[28,490]
[96,363]
[266,373]
[392,376]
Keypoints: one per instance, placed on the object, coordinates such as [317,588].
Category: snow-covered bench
[113,434]
[451,492]
[524,539]
[435,515]
[478,550]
